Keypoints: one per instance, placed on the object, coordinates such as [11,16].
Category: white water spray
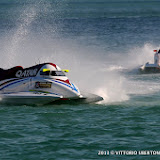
[16,40]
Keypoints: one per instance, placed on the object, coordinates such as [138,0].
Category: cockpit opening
[57,73]
[52,73]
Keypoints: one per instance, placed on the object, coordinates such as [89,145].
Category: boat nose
[73,92]
[75,88]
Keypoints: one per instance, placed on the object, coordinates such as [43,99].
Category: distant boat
[152,68]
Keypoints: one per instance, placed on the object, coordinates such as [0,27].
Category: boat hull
[25,98]
[39,99]
[150,70]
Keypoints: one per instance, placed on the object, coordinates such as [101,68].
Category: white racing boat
[152,68]
[38,85]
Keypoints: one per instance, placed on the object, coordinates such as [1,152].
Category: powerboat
[152,68]
[38,85]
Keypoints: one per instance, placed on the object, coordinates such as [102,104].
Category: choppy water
[102,42]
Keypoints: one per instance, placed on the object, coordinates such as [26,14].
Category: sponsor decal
[26,73]
[43,84]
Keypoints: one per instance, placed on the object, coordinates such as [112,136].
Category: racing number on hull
[43,84]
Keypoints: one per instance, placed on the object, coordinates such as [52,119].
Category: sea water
[102,43]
